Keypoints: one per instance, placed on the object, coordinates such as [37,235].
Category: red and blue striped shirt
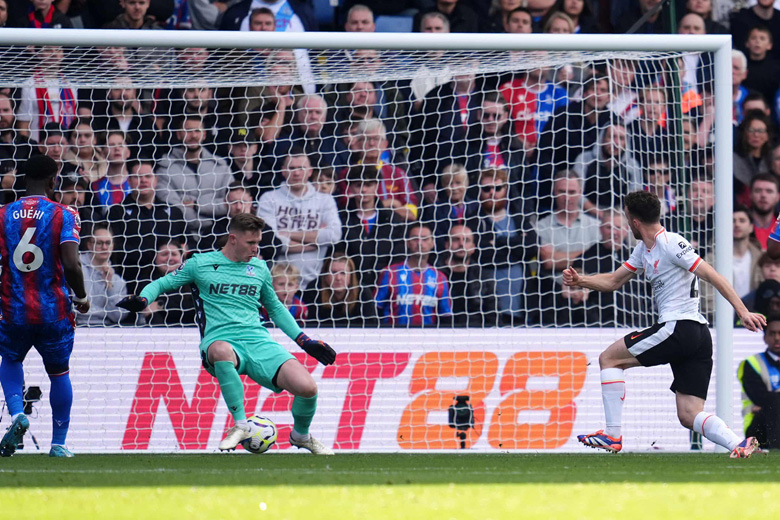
[407,296]
[33,289]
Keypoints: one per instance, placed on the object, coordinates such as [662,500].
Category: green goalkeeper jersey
[231,295]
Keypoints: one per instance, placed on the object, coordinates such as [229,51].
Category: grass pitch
[391,486]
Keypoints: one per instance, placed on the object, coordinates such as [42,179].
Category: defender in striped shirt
[39,266]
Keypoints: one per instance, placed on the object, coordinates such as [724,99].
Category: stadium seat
[394,23]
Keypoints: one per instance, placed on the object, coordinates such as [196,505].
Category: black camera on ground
[461,417]
[32,394]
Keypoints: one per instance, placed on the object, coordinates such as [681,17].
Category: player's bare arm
[750,320]
[74,275]
[604,282]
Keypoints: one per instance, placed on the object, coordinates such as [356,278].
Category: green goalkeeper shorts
[259,359]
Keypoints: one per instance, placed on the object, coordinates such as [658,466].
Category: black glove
[317,349]
[133,303]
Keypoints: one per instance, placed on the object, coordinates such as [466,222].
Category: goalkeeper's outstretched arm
[605,282]
[184,275]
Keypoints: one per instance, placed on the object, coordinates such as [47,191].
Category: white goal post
[586,45]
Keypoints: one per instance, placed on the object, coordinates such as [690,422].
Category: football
[261,441]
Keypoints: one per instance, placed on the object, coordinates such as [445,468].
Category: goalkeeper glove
[133,303]
[317,349]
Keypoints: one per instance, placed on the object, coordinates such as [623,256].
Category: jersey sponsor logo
[657,285]
[233,288]
[418,299]
[685,251]
[682,245]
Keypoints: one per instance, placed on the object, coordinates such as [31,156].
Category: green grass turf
[391,486]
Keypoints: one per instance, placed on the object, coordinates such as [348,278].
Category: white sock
[244,424]
[300,437]
[714,429]
[613,391]
[13,417]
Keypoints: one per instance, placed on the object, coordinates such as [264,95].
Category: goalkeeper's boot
[14,435]
[311,444]
[236,434]
[58,450]
[601,440]
[745,449]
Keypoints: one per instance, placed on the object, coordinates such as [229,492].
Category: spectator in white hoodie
[304,220]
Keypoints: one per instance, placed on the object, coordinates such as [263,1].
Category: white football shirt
[669,267]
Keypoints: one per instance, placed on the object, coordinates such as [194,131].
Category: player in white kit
[681,338]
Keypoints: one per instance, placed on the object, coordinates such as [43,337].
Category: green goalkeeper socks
[303,409]
[232,389]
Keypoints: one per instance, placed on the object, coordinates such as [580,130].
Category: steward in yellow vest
[760,378]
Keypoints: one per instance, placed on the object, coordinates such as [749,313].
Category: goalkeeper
[230,286]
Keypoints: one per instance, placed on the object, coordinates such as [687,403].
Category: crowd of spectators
[448,198]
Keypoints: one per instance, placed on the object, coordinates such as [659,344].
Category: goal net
[420,207]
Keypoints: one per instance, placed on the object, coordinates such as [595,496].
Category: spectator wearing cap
[242,159]
[140,223]
[37,14]
[373,234]
[15,149]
